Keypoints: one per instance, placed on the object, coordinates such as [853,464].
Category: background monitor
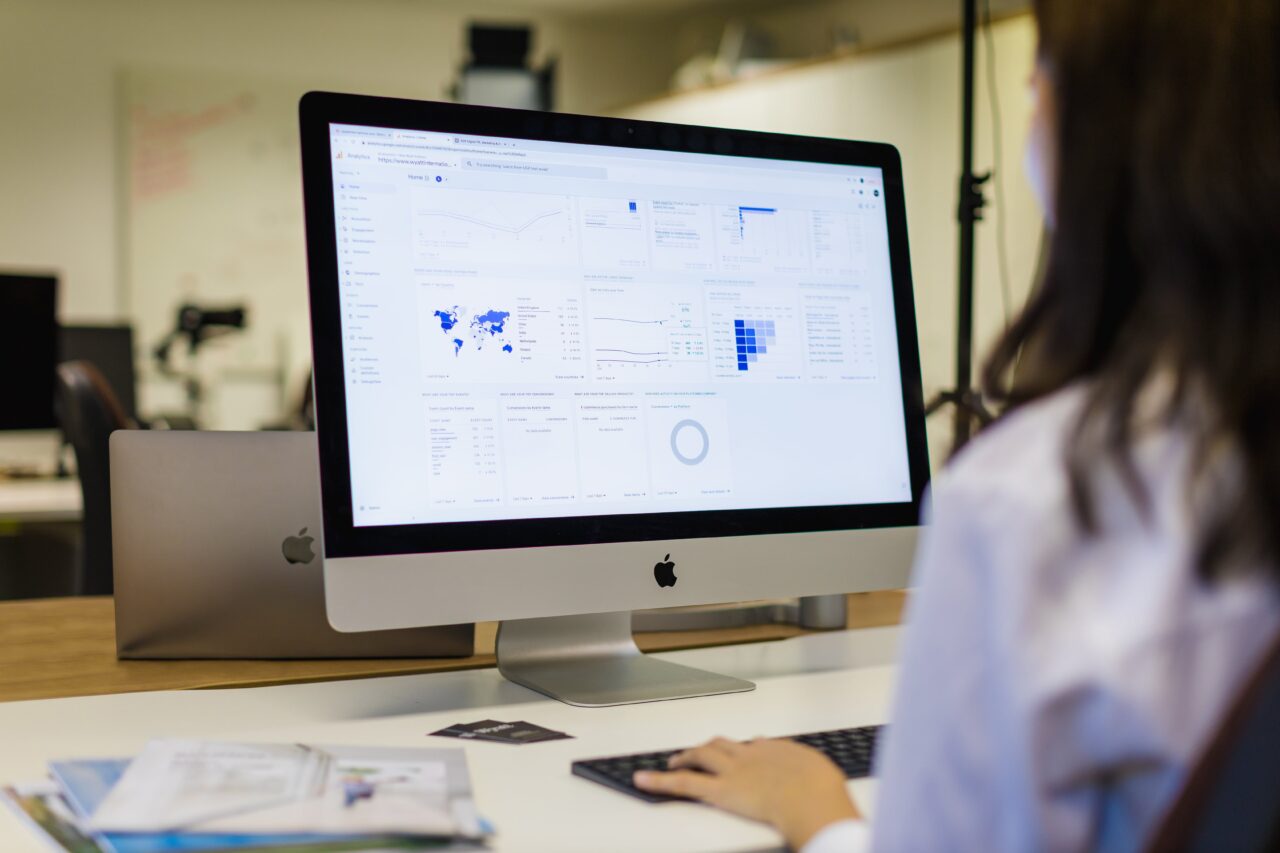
[110,349]
[28,350]
[570,366]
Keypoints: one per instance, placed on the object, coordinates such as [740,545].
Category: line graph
[628,320]
[496,226]
[630,360]
[646,333]
[614,355]
[638,341]
[464,226]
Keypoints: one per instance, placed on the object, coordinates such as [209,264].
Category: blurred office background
[149,158]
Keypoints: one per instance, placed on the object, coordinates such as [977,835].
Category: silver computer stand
[592,661]
[815,612]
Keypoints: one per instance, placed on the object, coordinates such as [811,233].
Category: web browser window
[536,329]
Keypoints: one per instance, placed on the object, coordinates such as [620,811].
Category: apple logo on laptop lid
[297,549]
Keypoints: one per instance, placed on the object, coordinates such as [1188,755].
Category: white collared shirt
[1054,687]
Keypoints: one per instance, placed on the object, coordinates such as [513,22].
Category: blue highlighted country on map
[489,326]
[492,322]
[448,319]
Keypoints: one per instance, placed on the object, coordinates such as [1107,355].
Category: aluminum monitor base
[592,661]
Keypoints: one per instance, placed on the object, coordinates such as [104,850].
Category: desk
[63,647]
[807,683]
[66,647]
[40,500]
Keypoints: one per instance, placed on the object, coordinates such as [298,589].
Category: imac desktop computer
[569,367]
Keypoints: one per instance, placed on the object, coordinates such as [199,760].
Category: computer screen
[569,367]
[536,329]
[110,349]
[28,350]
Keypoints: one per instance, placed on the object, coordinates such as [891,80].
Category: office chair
[1231,800]
[88,413]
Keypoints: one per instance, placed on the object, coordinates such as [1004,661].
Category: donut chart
[682,426]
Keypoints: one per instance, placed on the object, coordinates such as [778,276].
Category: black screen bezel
[317,110]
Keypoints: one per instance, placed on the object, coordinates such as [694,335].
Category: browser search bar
[525,168]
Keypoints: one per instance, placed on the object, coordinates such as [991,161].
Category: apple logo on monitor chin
[297,549]
[665,572]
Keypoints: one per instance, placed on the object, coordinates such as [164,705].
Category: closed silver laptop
[217,552]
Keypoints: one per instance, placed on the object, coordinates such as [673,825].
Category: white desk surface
[810,683]
[40,500]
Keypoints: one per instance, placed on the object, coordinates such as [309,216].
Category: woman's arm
[943,754]
[949,766]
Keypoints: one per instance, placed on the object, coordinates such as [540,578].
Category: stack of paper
[285,798]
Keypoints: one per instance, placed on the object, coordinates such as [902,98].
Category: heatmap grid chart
[753,337]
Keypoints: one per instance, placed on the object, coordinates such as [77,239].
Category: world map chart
[487,329]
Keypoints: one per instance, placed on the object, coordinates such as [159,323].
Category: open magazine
[45,807]
[211,787]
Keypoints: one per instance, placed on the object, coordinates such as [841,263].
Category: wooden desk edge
[66,647]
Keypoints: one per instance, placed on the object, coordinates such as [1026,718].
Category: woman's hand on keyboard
[795,788]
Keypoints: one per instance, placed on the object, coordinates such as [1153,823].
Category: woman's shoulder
[1019,466]
[1020,456]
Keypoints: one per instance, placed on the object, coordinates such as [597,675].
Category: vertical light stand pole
[967,401]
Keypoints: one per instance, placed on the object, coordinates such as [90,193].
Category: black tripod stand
[969,410]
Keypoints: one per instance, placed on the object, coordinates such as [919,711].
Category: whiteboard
[213,214]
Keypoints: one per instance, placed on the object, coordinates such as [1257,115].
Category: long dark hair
[1165,256]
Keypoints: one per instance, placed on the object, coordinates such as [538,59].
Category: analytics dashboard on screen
[537,329]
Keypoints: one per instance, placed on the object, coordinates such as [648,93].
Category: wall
[59,61]
[910,97]
[60,64]
[63,154]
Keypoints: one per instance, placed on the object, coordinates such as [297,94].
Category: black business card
[498,731]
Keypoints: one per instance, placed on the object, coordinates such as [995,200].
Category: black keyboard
[853,751]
